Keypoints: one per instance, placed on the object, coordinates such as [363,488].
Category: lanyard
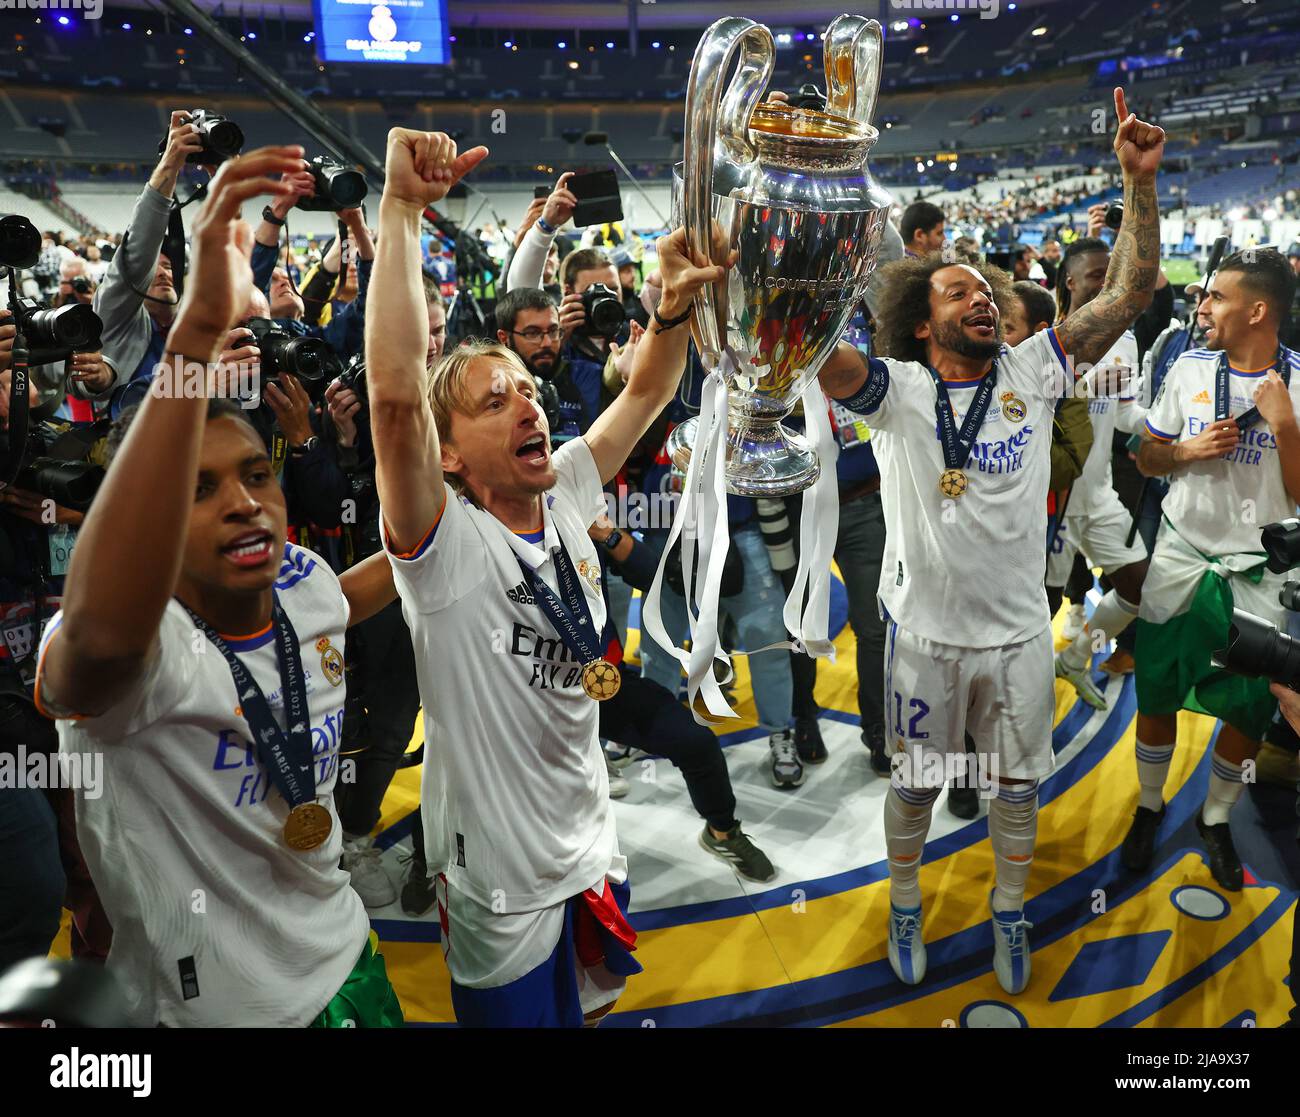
[1222,404]
[957,444]
[572,616]
[286,758]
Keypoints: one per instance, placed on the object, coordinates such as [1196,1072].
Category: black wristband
[671,322]
[268,214]
[612,540]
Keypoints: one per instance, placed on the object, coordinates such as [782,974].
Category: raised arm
[420,168]
[659,361]
[137,525]
[368,586]
[1087,334]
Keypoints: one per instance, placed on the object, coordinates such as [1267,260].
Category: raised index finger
[1121,105]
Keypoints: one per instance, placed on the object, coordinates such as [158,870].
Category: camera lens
[302,356]
[225,138]
[74,326]
[1114,215]
[605,313]
[1258,649]
[20,243]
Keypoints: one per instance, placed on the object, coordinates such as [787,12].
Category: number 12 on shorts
[918,710]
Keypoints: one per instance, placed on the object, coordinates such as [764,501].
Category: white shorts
[1101,534]
[1005,698]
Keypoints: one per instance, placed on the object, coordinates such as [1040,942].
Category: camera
[354,378]
[337,187]
[310,359]
[809,97]
[54,334]
[55,465]
[222,138]
[604,310]
[20,242]
[81,285]
[1257,648]
[1114,215]
[548,395]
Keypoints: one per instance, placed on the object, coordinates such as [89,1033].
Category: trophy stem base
[764,457]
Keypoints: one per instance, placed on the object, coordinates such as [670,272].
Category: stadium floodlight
[1037,31]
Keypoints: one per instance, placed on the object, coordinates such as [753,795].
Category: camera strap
[1222,402]
[19,403]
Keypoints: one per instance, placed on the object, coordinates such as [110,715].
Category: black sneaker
[964,802]
[417,890]
[1140,842]
[1225,865]
[808,741]
[740,853]
[874,738]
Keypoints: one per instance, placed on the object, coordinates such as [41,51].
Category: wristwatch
[268,214]
[612,540]
[307,447]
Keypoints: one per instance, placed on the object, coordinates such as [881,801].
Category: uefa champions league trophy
[787,193]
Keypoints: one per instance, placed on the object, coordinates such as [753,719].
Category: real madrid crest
[330,661]
[1013,408]
[589,572]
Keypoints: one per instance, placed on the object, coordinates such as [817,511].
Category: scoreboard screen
[390,31]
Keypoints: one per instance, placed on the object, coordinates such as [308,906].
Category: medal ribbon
[287,758]
[957,444]
[571,617]
[1223,405]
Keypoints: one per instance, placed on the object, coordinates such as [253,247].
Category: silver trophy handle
[714,122]
[854,54]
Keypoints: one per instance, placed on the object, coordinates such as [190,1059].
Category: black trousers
[377,738]
[644,715]
[859,550]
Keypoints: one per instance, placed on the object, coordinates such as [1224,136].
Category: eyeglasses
[535,333]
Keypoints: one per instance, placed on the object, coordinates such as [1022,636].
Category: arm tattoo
[1087,334]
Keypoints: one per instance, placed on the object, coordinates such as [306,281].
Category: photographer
[137,300]
[536,246]
[1289,705]
[1224,429]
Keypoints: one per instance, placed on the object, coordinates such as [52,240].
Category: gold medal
[307,826]
[953,482]
[600,679]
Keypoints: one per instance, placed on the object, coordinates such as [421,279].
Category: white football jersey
[216,921]
[1092,488]
[1219,506]
[515,798]
[967,570]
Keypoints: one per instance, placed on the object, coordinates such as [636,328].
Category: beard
[949,335]
[542,363]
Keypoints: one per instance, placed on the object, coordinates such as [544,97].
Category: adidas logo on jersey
[520,594]
[1203,396]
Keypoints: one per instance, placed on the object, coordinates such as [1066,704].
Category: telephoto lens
[54,335]
[337,187]
[309,358]
[774,523]
[1258,649]
[604,310]
[1115,215]
[20,242]
[222,138]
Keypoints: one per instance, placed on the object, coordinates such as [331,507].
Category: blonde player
[961,427]
[207,670]
[500,585]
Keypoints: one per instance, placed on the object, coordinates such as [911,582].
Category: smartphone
[541,191]
[598,197]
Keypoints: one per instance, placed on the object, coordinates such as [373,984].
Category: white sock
[1225,790]
[907,822]
[1153,770]
[1112,615]
[1013,830]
